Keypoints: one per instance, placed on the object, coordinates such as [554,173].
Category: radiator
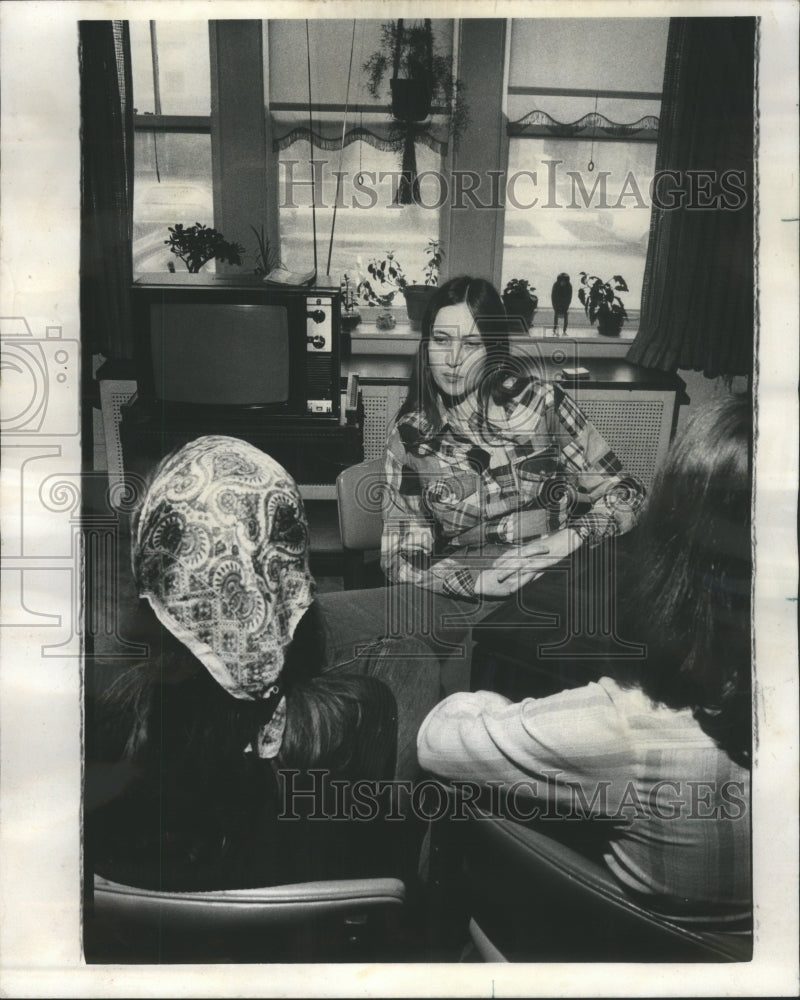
[636,424]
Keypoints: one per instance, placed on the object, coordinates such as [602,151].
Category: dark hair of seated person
[689,598]
[202,813]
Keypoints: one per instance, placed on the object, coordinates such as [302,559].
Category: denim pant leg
[355,618]
[410,669]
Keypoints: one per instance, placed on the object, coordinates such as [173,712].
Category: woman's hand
[513,569]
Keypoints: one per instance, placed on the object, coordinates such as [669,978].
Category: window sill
[366,338]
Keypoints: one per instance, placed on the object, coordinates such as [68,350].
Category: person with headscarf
[237,710]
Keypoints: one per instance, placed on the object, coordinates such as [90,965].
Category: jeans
[442,625]
[410,670]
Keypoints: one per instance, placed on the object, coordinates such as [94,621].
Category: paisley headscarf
[220,551]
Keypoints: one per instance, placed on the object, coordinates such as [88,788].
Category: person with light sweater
[658,750]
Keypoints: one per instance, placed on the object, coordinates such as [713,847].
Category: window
[185,165]
[582,133]
[170,64]
[367,223]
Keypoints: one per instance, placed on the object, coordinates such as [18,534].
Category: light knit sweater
[677,807]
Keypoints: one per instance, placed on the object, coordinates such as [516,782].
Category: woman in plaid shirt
[494,474]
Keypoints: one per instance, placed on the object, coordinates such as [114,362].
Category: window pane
[594,221]
[288,77]
[183,193]
[184,71]
[142,67]
[589,53]
[361,233]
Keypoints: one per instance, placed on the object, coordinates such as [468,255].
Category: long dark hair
[691,599]
[191,799]
[172,696]
[486,306]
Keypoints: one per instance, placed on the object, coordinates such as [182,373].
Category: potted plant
[199,244]
[350,316]
[420,77]
[602,304]
[418,296]
[519,300]
[267,259]
[389,278]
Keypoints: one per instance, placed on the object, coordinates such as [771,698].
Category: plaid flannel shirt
[499,475]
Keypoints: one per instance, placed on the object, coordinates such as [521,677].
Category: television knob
[318,316]
[317,341]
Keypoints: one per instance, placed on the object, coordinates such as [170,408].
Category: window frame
[245,166]
[517,131]
[239,171]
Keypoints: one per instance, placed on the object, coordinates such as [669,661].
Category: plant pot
[349,319]
[417,298]
[411,100]
[520,306]
[609,324]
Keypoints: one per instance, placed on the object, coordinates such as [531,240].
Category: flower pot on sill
[349,319]
[411,100]
[609,324]
[417,298]
[520,306]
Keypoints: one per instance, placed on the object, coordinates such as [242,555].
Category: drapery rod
[635,95]
[202,123]
[552,132]
[172,123]
[378,109]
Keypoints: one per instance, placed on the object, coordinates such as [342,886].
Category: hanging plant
[420,78]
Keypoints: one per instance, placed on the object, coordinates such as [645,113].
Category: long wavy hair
[691,598]
[486,305]
[183,739]
[171,694]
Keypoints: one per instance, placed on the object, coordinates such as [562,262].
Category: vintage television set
[226,354]
[233,344]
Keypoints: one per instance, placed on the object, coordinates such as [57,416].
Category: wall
[702,390]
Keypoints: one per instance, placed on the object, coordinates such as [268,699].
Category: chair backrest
[530,897]
[360,492]
[341,920]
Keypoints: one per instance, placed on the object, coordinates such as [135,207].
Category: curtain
[327,135]
[698,294]
[106,188]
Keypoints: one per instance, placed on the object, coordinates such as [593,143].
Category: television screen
[220,353]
